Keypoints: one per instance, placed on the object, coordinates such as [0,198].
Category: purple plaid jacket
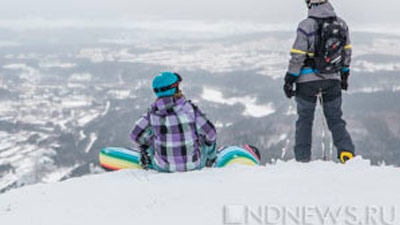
[173,133]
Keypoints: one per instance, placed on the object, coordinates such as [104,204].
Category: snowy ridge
[252,108]
[213,196]
[197,26]
[63,95]
[267,56]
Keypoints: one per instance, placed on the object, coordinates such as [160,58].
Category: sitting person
[174,135]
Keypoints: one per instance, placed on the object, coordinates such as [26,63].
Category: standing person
[320,66]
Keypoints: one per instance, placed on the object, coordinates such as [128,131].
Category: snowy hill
[59,105]
[284,193]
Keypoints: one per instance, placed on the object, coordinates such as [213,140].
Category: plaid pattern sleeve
[142,133]
[205,128]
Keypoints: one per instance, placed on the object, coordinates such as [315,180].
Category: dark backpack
[330,45]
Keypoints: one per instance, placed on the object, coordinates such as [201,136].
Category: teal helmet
[311,3]
[166,84]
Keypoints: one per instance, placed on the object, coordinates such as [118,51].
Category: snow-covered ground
[267,56]
[45,112]
[284,193]
[252,108]
[59,92]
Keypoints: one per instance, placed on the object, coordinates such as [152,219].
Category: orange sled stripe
[109,167]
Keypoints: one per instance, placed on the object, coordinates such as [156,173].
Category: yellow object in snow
[345,156]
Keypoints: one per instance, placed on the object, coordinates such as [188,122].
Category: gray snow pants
[306,98]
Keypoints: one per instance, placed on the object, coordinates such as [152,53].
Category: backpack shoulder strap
[319,19]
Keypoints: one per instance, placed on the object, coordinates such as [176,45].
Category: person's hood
[322,11]
[167,105]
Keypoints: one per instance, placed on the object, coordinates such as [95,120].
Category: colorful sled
[243,154]
[114,158]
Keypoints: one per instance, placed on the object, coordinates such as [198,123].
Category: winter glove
[145,160]
[210,162]
[288,87]
[345,79]
[211,155]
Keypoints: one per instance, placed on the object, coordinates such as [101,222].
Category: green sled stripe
[119,155]
[228,157]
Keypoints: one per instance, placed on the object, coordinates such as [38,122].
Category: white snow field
[284,193]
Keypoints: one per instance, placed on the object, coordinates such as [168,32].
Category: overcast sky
[356,11]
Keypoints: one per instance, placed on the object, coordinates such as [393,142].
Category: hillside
[312,193]
[63,100]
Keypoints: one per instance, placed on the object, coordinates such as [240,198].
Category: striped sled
[114,158]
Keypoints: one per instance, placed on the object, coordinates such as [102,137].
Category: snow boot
[345,156]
